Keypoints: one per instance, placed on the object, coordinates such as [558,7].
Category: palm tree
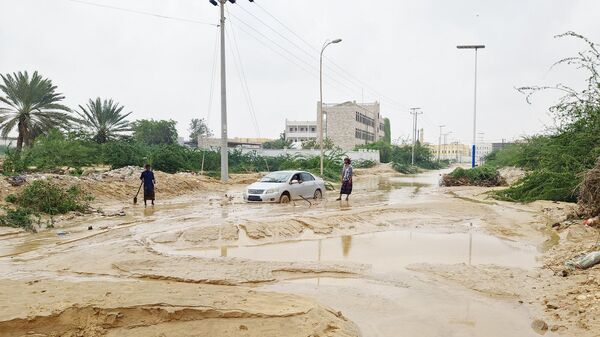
[103,119]
[33,107]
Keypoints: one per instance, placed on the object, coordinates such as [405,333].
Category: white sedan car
[283,186]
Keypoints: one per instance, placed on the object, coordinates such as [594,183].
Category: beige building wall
[454,151]
[350,124]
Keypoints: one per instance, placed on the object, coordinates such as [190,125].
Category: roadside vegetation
[479,176]
[401,156]
[558,160]
[43,198]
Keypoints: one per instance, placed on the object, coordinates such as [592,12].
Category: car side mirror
[294,182]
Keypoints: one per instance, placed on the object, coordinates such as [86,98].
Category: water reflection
[387,251]
[346,244]
[149,211]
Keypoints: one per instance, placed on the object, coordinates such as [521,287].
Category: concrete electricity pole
[320,116]
[415,112]
[224,139]
[440,142]
[474,147]
[446,141]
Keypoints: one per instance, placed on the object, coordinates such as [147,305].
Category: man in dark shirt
[148,178]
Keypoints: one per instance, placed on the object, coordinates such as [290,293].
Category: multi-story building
[455,151]
[350,124]
[297,131]
[347,125]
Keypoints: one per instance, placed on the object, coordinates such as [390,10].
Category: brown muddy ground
[402,258]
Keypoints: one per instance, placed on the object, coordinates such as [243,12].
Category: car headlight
[272,190]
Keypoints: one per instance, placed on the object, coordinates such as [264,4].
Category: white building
[297,131]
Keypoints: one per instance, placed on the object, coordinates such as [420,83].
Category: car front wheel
[318,194]
[284,199]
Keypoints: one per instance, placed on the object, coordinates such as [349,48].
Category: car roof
[289,171]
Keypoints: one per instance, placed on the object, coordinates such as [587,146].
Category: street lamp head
[336,41]
[476,46]
[213,2]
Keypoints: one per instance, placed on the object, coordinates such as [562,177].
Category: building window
[364,119]
[313,129]
[291,129]
[364,135]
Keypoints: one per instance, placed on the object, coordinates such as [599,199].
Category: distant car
[284,186]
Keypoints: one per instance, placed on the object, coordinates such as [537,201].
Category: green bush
[11,198]
[21,217]
[363,163]
[170,158]
[405,168]
[46,197]
[14,162]
[56,150]
[477,176]
[123,153]
[542,185]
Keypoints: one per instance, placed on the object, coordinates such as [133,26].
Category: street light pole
[474,147]
[415,112]
[440,142]
[320,116]
[224,139]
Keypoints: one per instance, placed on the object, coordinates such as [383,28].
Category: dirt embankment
[145,308]
[121,185]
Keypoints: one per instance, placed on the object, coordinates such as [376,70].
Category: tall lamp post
[440,142]
[474,147]
[224,149]
[320,116]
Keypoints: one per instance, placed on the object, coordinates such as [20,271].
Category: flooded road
[372,258]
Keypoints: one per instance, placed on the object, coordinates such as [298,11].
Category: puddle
[386,251]
[418,309]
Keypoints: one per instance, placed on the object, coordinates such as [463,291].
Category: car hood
[264,186]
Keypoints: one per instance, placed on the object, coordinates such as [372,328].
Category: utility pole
[440,142]
[415,112]
[474,147]
[224,139]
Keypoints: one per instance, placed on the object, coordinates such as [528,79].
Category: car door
[308,184]
[296,189]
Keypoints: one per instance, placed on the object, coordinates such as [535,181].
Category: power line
[143,13]
[308,64]
[345,72]
[242,75]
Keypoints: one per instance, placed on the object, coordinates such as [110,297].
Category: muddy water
[389,300]
[388,251]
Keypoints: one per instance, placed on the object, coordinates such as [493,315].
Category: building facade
[297,131]
[350,124]
[454,152]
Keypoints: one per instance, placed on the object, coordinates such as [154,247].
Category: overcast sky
[401,53]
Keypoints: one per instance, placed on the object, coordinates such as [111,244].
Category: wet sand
[403,257]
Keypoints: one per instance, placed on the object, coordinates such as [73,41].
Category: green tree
[33,107]
[151,132]
[280,143]
[387,130]
[103,119]
[199,128]
[313,144]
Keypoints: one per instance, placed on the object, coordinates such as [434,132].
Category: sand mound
[131,309]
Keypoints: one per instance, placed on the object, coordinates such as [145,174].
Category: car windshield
[276,177]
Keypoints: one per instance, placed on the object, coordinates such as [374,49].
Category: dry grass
[589,192]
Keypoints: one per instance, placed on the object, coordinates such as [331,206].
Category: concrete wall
[354,155]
